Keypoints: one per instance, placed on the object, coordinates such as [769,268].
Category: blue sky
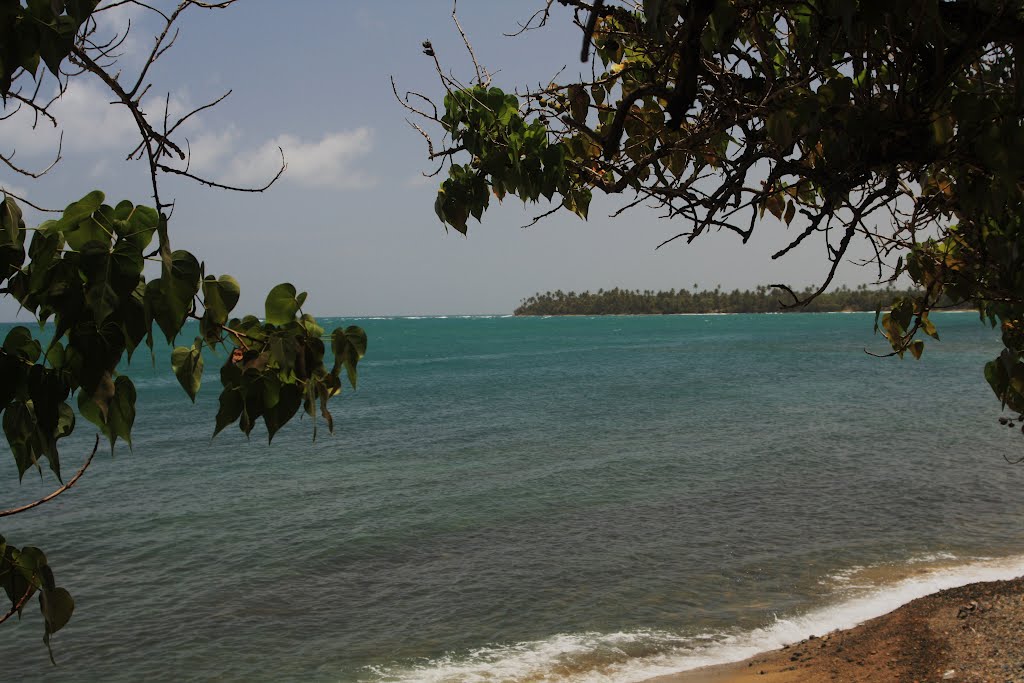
[352,220]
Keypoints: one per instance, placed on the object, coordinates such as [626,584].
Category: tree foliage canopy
[83,273]
[763,299]
[898,123]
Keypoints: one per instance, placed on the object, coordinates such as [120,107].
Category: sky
[352,219]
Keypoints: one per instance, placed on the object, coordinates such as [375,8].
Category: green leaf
[77,223]
[126,266]
[47,391]
[997,378]
[121,414]
[66,421]
[139,225]
[231,406]
[10,217]
[271,391]
[183,282]
[348,346]
[102,300]
[252,396]
[80,9]
[312,327]
[13,575]
[14,373]
[288,402]
[19,343]
[220,297]
[19,428]
[91,411]
[169,300]
[44,252]
[57,606]
[188,367]
[57,42]
[328,387]
[281,304]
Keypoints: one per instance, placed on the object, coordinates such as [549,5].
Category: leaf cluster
[84,275]
[898,124]
[24,572]
[40,30]
[276,366]
[509,155]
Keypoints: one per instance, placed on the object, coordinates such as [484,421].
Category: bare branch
[482,77]
[195,111]
[21,199]
[538,219]
[210,183]
[9,161]
[18,606]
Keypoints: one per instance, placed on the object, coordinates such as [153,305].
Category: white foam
[604,657]
[843,576]
[933,557]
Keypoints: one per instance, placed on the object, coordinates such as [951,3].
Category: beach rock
[966,610]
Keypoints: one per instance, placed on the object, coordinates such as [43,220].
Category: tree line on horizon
[763,299]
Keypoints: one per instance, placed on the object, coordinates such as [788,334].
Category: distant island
[764,299]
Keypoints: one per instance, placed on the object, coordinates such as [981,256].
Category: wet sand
[972,633]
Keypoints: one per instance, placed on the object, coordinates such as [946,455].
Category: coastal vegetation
[894,124]
[763,299]
[80,275]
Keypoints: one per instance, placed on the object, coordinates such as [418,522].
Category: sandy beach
[971,633]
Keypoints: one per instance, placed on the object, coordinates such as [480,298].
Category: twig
[29,592]
[222,186]
[480,73]
[538,219]
[7,192]
[62,489]
[34,174]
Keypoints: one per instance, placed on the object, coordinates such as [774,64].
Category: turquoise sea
[532,499]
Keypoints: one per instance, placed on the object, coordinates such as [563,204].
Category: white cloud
[208,149]
[112,25]
[92,126]
[84,114]
[329,162]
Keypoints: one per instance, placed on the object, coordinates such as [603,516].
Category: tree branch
[62,489]
[29,592]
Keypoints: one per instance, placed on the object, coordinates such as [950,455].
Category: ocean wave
[630,657]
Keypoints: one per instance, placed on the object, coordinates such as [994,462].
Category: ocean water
[532,499]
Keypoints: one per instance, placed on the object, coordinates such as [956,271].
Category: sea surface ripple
[531,499]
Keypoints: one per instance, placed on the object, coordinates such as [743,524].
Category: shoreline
[965,633]
[895,622]
[662,315]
